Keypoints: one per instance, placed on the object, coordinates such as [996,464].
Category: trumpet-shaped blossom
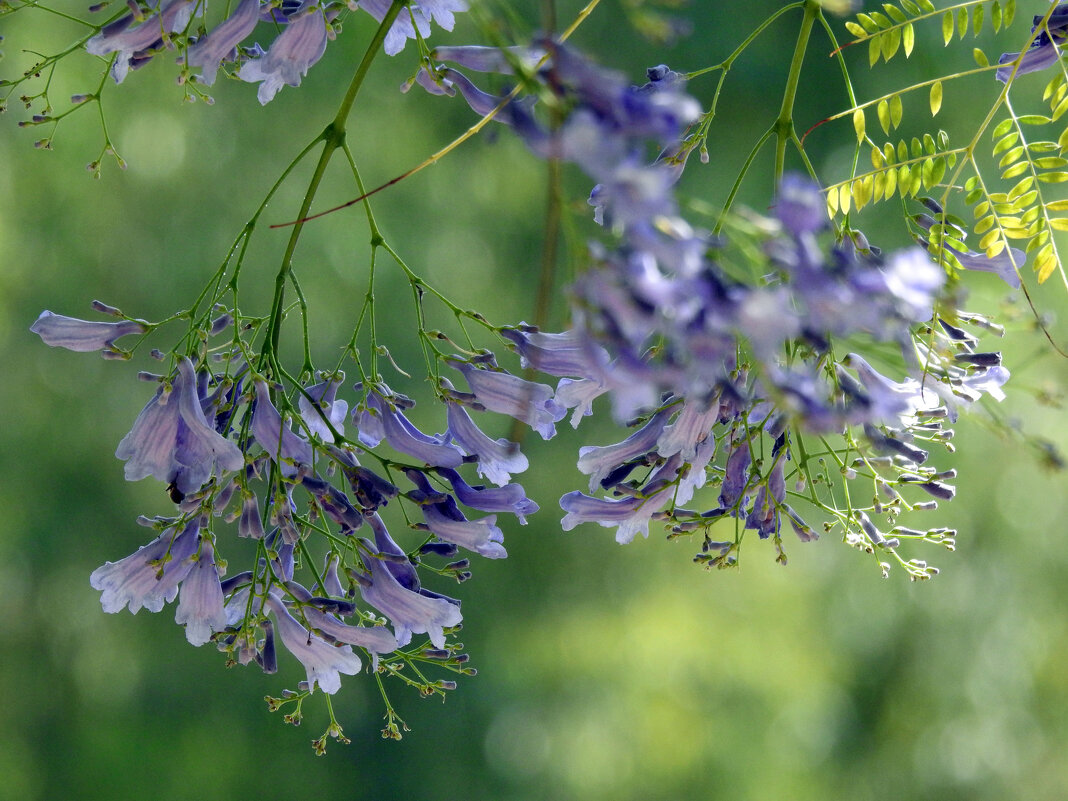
[129,43]
[481,536]
[511,498]
[324,407]
[410,612]
[219,43]
[504,393]
[150,577]
[384,420]
[82,336]
[288,450]
[416,16]
[323,662]
[200,605]
[290,56]
[1044,50]
[376,639]
[498,459]
[598,462]
[173,441]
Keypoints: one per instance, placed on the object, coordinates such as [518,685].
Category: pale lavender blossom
[82,336]
[410,612]
[323,662]
[220,42]
[765,516]
[288,450]
[128,43]
[376,639]
[249,524]
[579,394]
[324,407]
[510,498]
[504,393]
[200,605]
[629,516]
[690,428]
[383,420]
[696,472]
[498,459]
[421,12]
[481,536]
[173,441]
[290,56]
[736,473]
[599,461]
[569,353]
[150,577]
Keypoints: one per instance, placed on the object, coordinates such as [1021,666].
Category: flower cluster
[305,26]
[722,375]
[292,472]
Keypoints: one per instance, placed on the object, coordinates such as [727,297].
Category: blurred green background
[606,672]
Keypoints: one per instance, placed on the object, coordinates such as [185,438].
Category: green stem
[333,137]
[784,125]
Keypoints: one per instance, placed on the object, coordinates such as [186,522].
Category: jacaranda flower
[410,612]
[150,577]
[128,43]
[324,662]
[289,58]
[287,449]
[82,336]
[200,605]
[173,440]
[1044,50]
[421,12]
[219,43]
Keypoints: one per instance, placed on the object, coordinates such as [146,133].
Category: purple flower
[799,206]
[1044,50]
[382,419]
[421,12]
[218,45]
[1005,265]
[249,524]
[914,280]
[497,458]
[691,427]
[765,517]
[736,473]
[481,536]
[504,393]
[376,639]
[629,515]
[323,408]
[324,662]
[410,612]
[510,498]
[200,606]
[579,394]
[173,441]
[82,336]
[130,43]
[569,353]
[599,461]
[150,577]
[287,449]
[289,58]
